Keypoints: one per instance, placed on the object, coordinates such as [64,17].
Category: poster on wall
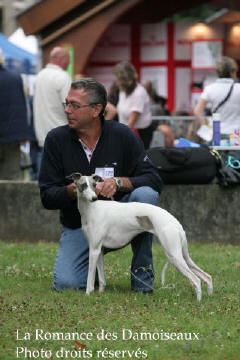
[114,45]
[205,53]
[182,41]
[70,68]
[158,76]
[153,44]
[182,86]
[103,74]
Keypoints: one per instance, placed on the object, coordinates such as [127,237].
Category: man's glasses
[233,162]
[74,106]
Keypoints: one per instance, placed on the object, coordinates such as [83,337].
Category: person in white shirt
[216,92]
[134,103]
[51,88]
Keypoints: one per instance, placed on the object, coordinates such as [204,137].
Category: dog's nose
[94,198]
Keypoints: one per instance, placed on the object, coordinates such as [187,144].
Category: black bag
[188,165]
[229,174]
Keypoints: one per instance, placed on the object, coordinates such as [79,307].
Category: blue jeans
[38,161]
[71,267]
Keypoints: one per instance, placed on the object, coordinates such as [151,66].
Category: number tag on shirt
[105,172]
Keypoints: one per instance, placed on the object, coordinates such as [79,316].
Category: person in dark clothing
[13,122]
[35,149]
[158,108]
[113,97]
[89,144]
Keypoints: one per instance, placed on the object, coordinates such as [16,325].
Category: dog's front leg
[93,259]
[100,268]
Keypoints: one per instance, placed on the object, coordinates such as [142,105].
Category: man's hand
[72,191]
[107,188]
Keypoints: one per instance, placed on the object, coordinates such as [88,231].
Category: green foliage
[198,13]
[28,303]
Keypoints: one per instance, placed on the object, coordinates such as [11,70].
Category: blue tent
[17,59]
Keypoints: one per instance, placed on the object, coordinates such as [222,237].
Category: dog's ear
[97,178]
[75,176]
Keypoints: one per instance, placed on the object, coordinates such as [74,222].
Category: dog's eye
[82,187]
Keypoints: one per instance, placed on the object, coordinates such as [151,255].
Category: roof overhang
[91,12]
[43,13]
[224,16]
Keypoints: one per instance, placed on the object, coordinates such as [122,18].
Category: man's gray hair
[97,93]
[225,66]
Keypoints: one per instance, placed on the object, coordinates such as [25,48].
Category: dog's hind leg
[100,268]
[171,241]
[182,266]
[205,277]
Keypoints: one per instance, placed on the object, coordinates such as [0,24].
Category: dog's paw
[89,291]
[210,291]
[101,289]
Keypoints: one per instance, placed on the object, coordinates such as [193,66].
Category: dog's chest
[85,220]
[116,238]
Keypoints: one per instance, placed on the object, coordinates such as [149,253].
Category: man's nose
[68,109]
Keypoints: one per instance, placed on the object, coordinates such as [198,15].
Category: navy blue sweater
[13,110]
[118,148]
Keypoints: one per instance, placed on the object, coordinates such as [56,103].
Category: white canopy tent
[28,43]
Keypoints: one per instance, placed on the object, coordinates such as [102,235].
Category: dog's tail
[163,274]
[205,277]
[183,239]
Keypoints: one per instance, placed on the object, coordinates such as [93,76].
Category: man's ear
[97,178]
[75,176]
[98,109]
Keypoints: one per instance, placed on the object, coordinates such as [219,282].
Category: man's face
[79,113]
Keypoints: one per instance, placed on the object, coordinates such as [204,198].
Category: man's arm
[64,85]
[198,111]
[133,117]
[55,191]
[72,191]
[136,168]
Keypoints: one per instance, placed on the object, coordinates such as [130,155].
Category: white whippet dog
[113,225]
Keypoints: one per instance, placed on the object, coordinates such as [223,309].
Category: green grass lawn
[172,324]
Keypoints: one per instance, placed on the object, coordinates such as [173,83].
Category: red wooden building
[177,56]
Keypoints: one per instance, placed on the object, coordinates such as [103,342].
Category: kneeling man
[91,145]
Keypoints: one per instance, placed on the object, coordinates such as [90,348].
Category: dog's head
[86,185]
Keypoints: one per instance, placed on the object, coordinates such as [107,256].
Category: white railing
[180,128]
[178,123]
[173,117]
